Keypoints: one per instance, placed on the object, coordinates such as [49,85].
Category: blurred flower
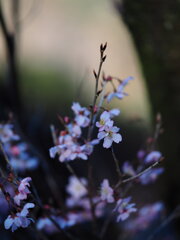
[106,191]
[150,176]
[7,134]
[81,115]
[128,169]
[124,208]
[114,112]
[20,219]
[146,215]
[76,187]
[23,190]
[152,157]
[119,93]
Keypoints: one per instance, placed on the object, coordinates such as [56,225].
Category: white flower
[119,93]
[104,121]
[76,187]
[81,115]
[20,219]
[106,192]
[110,135]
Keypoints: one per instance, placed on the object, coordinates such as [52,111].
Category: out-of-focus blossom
[81,115]
[124,209]
[7,134]
[128,169]
[23,190]
[106,192]
[110,135]
[150,176]
[119,93]
[74,130]
[20,219]
[114,112]
[152,157]
[146,215]
[20,157]
[89,146]
[104,121]
[76,187]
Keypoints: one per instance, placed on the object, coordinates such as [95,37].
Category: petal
[8,222]
[117,137]
[102,135]
[107,142]
[105,116]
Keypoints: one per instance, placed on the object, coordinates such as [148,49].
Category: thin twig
[117,164]
[139,174]
[97,76]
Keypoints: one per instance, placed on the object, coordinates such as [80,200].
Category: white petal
[107,142]
[117,137]
[101,135]
[8,222]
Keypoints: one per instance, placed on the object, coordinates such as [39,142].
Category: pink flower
[20,219]
[124,209]
[110,135]
[23,190]
[106,192]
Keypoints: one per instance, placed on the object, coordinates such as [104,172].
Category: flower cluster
[69,143]
[107,131]
[16,194]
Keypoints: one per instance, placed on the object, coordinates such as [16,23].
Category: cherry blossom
[110,135]
[23,190]
[146,215]
[104,121]
[124,209]
[19,219]
[76,187]
[128,169]
[150,176]
[152,157]
[7,134]
[81,115]
[106,191]
[119,93]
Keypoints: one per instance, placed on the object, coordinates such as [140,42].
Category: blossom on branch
[124,209]
[19,219]
[106,192]
[119,93]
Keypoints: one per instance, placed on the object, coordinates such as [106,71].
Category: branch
[139,174]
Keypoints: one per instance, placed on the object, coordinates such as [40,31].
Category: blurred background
[48,50]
